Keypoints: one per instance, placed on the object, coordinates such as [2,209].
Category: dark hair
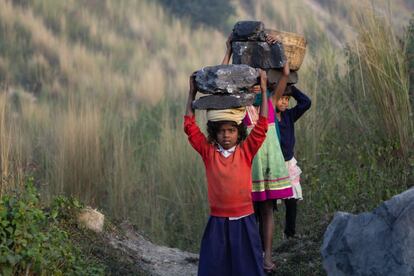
[288,91]
[213,127]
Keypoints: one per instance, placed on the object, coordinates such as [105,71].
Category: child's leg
[266,213]
[290,226]
[259,220]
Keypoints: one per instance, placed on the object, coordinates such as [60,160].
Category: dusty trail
[152,258]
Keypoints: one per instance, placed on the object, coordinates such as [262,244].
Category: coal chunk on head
[259,54]
[226,79]
[248,31]
[224,101]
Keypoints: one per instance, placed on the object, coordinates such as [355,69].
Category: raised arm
[227,56]
[281,85]
[272,39]
[263,87]
[303,103]
[195,136]
[189,111]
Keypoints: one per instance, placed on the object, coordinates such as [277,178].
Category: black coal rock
[248,31]
[224,101]
[226,79]
[259,54]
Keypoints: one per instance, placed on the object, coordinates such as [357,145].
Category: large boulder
[226,79]
[373,243]
[259,54]
[224,101]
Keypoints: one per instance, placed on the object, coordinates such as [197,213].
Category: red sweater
[229,180]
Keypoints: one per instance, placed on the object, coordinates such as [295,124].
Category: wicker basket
[295,47]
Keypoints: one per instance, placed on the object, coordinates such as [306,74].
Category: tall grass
[362,121]
[5,144]
[384,78]
[13,161]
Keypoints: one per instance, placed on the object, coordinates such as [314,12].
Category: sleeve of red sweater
[255,139]
[195,136]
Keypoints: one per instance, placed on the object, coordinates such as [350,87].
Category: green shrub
[32,240]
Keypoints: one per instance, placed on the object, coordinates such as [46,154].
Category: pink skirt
[294,176]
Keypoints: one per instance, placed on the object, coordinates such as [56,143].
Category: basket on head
[294,45]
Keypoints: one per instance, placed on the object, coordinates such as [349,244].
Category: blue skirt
[231,247]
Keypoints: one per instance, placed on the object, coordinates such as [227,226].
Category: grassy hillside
[92,96]
[102,48]
[50,48]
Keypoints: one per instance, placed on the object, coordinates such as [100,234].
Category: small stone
[258,54]
[224,101]
[226,79]
[91,219]
[248,31]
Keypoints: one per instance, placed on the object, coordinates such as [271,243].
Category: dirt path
[152,258]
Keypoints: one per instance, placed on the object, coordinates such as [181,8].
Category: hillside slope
[107,47]
[130,49]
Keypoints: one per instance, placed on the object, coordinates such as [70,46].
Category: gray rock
[376,243]
[258,54]
[224,101]
[248,31]
[226,79]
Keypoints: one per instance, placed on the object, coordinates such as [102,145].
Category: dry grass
[384,77]
[5,143]
[79,159]
[12,159]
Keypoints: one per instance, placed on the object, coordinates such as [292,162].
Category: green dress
[269,172]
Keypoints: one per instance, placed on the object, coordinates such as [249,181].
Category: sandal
[269,269]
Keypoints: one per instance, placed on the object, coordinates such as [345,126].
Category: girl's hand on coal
[286,69]
[272,39]
[263,76]
[228,41]
[255,89]
[192,83]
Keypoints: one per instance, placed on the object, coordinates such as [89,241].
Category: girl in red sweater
[231,242]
